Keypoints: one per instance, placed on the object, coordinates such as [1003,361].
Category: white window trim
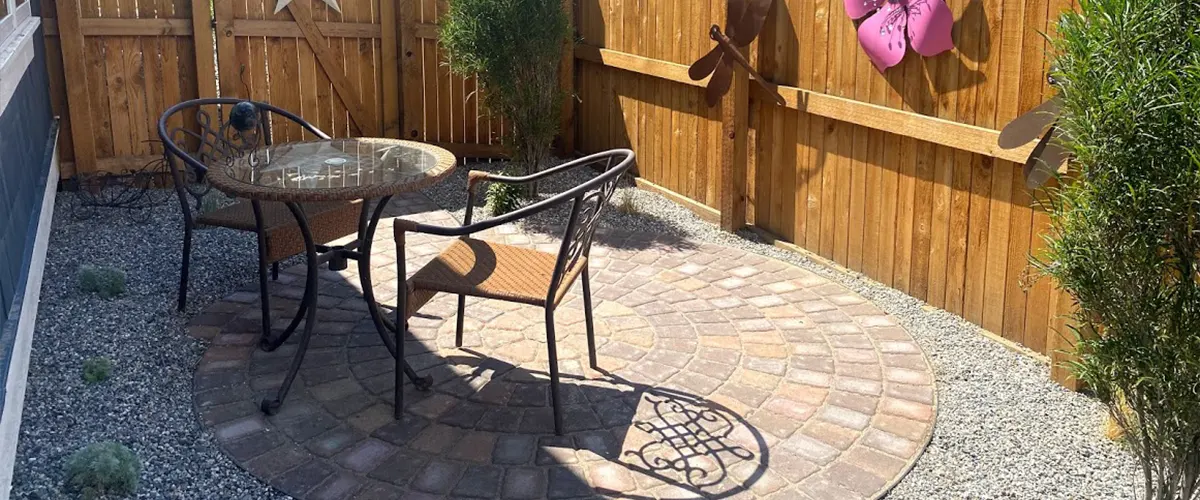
[17,31]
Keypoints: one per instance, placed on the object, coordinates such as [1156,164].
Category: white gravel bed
[146,403]
[1004,429]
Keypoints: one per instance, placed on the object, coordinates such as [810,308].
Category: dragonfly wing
[751,23]
[1029,126]
[705,65]
[719,85]
[1045,159]
[734,10]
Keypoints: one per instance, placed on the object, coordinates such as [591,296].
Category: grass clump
[96,370]
[104,469]
[1125,224]
[514,47]
[627,202]
[105,282]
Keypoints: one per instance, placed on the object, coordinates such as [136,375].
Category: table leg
[366,238]
[264,295]
[308,305]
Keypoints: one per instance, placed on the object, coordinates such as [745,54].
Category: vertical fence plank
[566,78]
[202,38]
[78,100]
[227,70]
[734,114]
[390,68]
[410,69]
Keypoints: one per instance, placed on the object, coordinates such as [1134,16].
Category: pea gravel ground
[1003,430]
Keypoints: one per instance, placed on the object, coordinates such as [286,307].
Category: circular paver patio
[724,374]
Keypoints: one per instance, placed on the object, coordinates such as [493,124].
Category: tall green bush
[514,46]
[1125,235]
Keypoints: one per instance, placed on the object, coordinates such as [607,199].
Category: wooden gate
[374,69]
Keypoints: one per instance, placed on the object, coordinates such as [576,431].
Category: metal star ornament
[282,4]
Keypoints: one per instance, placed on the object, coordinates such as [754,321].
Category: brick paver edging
[725,375]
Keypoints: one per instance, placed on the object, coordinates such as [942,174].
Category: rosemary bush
[514,46]
[1125,232]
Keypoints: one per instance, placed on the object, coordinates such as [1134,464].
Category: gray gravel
[146,403]
[1004,430]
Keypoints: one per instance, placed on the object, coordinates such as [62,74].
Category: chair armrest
[474,177]
[402,226]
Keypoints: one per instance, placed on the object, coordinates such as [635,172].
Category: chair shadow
[667,434]
[675,437]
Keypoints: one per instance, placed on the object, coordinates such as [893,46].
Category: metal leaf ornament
[1040,124]
[744,21]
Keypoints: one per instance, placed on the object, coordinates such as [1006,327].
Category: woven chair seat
[491,270]
[327,220]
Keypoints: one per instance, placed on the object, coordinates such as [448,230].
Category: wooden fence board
[897,175]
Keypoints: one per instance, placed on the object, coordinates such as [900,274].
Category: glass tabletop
[333,169]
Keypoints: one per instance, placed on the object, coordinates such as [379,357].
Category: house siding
[26,125]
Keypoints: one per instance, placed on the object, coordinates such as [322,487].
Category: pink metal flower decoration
[924,24]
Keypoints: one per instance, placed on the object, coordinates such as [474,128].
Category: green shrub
[515,47]
[504,198]
[96,370]
[103,469]
[1125,234]
[103,281]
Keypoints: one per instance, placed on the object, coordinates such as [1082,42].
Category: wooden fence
[894,175]
[374,69]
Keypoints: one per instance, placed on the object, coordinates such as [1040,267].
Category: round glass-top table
[367,169]
[336,169]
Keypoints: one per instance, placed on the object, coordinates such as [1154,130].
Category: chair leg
[183,268]
[275,271]
[553,354]
[401,327]
[458,332]
[587,315]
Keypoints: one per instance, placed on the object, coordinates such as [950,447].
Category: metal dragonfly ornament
[743,22]
[1041,124]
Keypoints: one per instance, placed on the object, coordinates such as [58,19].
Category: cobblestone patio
[725,374]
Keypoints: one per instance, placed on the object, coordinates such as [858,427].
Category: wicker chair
[194,132]
[492,270]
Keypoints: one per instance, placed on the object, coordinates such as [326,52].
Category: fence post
[390,72]
[202,38]
[79,106]
[735,110]
[413,109]
[566,77]
[226,60]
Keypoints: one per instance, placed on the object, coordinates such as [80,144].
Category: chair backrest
[590,199]
[204,136]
